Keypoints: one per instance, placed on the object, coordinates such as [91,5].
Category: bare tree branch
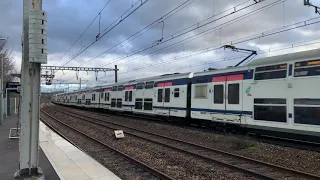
[6,57]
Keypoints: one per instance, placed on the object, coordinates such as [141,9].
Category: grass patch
[241,143]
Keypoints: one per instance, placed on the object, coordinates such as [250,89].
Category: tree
[8,64]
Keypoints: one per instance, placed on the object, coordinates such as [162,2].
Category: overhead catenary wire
[80,37]
[186,30]
[145,29]
[238,41]
[118,21]
[162,19]
[174,35]
[233,58]
[220,26]
[201,34]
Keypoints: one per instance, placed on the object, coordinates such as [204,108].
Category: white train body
[280,93]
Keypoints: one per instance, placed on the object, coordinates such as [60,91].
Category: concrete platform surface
[69,162]
[9,154]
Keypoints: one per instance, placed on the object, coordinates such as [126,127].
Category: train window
[147,104]
[307,101]
[307,115]
[83,97]
[307,111]
[167,95]
[307,68]
[114,88]
[271,75]
[138,103]
[101,95]
[160,93]
[140,86]
[149,85]
[271,68]
[270,109]
[120,88]
[105,96]
[233,93]
[176,92]
[200,91]
[269,101]
[119,103]
[218,94]
[271,72]
[130,96]
[108,96]
[270,113]
[307,71]
[126,96]
[113,102]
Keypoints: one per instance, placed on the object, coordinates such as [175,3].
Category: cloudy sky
[196,26]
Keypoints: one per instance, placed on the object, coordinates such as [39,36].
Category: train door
[163,94]
[218,92]
[159,96]
[227,93]
[167,97]
[234,93]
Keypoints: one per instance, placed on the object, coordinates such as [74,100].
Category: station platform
[9,153]
[69,162]
[58,158]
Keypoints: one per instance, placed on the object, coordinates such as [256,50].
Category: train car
[105,97]
[217,95]
[93,100]
[129,91]
[277,95]
[171,95]
[116,95]
[284,94]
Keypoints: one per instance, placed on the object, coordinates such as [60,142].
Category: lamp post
[2,40]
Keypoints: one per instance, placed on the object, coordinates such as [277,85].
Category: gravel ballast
[176,164]
[302,160]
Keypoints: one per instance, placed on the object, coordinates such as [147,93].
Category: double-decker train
[277,96]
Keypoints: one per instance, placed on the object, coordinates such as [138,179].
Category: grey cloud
[67,20]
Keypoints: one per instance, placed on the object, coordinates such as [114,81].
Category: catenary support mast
[34,52]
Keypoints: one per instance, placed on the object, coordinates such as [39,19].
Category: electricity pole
[1,96]
[34,52]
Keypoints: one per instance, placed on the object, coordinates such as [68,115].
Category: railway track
[239,163]
[303,145]
[125,162]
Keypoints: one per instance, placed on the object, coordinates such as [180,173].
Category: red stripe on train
[219,79]
[164,84]
[129,87]
[160,85]
[235,77]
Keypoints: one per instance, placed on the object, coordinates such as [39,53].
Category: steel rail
[142,165]
[281,168]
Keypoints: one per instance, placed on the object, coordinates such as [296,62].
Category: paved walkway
[69,162]
[9,153]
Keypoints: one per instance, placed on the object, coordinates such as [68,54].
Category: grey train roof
[310,54]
